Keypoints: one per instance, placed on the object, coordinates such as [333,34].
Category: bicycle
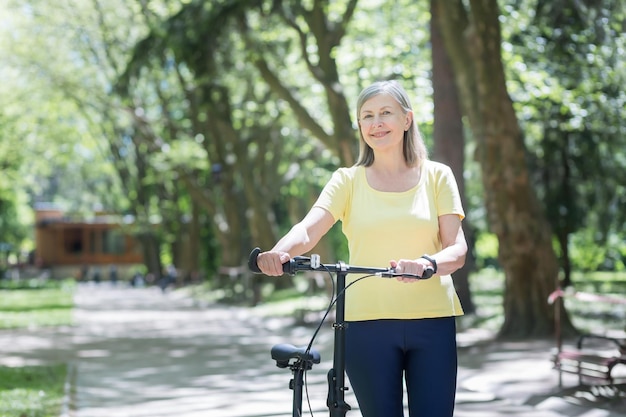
[301,359]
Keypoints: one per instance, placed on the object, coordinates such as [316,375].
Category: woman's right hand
[271,262]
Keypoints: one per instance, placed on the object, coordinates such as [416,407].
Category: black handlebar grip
[428,272]
[252,265]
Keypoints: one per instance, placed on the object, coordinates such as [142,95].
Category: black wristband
[432,261]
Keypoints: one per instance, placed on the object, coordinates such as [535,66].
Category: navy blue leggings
[380,352]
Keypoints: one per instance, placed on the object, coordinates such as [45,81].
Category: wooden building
[66,245]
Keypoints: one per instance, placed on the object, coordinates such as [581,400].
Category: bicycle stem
[335,401]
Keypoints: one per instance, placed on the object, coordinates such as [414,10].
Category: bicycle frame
[335,401]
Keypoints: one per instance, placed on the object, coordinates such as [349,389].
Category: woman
[396,207]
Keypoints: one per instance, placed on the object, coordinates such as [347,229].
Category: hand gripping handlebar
[303,263]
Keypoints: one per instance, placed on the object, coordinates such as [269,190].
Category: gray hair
[414,149]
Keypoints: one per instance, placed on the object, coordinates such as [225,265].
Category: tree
[576,158]
[211,142]
[82,131]
[12,229]
[314,26]
[473,40]
[52,156]
[205,55]
[449,138]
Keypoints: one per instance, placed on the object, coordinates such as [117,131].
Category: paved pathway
[141,353]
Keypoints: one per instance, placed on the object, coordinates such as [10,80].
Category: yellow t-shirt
[381,226]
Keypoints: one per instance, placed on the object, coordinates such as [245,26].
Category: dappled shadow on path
[167,357]
[141,353]
[520,374]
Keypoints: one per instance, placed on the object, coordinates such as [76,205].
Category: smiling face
[383,122]
[371,117]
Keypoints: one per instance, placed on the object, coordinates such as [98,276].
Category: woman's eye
[367,116]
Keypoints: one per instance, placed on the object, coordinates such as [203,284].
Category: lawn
[34,391]
[487,288]
[36,305]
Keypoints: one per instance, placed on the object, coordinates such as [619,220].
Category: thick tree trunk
[450,142]
[514,213]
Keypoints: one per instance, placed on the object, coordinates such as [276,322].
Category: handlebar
[303,263]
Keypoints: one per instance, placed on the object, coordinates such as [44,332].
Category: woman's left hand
[408,266]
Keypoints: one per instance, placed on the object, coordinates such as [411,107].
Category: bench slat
[587,364]
[587,357]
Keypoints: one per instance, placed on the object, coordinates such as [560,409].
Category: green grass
[32,391]
[487,286]
[46,306]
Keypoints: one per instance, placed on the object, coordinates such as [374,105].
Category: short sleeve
[447,194]
[336,194]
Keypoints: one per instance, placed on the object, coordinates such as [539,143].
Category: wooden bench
[590,365]
[593,364]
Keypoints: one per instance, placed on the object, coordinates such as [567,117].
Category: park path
[141,353]
[145,353]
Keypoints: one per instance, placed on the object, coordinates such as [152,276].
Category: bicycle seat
[283,352]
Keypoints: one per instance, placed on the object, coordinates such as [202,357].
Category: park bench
[598,358]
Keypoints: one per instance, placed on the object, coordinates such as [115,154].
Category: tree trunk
[151,249]
[450,142]
[189,254]
[472,39]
